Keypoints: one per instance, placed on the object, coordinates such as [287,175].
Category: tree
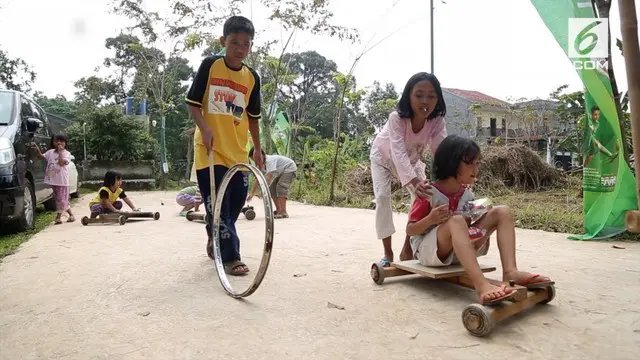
[58,105]
[571,114]
[379,103]
[113,136]
[158,74]
[300,15]
[306,95]
[93,91]
[15,74]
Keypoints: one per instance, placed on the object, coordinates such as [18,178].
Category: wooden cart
[478,319]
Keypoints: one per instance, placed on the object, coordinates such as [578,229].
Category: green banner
[280,133]
[608,183]
[280,130]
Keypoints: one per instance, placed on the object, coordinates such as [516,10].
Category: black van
[22,187]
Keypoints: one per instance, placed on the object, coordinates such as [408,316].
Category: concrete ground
[147,290]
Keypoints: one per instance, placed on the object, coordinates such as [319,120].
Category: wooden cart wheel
[250,214]
[552,294]
[84,221]
[477,320]
[156,216]
[377,273]
[122,219]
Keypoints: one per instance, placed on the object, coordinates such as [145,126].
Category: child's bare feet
[407,251]
[406,254]
[524,278]
[489,293]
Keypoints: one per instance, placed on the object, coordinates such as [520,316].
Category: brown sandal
[235,268]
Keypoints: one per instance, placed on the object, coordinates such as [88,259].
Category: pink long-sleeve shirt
[397,146]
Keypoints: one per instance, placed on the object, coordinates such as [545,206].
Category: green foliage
[308,15]
[15,74]
[316,160]
[58,105]
[380,102]
[112,136]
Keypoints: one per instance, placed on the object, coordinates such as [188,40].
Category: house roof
[539,104]
[475,96]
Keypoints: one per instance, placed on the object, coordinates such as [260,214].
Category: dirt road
[147,290]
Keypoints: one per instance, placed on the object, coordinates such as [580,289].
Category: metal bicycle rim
[268,239]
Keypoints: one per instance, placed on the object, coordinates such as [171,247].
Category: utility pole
[631,50]
[431,14]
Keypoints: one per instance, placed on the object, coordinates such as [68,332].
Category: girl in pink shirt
[57,174]
[398,150]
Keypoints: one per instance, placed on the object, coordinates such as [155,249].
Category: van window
[39,114]
[25,108]
[6,108]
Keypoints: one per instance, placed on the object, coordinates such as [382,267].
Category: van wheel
[27,219]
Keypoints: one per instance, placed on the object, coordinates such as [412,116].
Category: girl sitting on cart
[441,230]
[109,195]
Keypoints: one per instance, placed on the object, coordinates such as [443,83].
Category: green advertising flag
[280,133]
[608,183]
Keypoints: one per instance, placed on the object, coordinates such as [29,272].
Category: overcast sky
[498,47]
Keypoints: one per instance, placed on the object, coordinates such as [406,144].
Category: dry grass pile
[358,181]
[358,184]
[517,167]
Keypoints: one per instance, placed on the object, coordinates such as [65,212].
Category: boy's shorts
[280,185]
[185,199]
[426,249]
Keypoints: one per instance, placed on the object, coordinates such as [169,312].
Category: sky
[498,47]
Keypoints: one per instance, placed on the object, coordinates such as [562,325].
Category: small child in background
[109,195]
[189,198]
[57,174]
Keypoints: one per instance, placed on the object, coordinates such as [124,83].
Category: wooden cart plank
[414,266]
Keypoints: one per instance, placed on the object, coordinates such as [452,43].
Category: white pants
[381,176]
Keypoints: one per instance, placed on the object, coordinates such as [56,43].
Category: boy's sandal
[57,222]
[236,267]
[280,216]
[71,219]
[529,282]
[496,301]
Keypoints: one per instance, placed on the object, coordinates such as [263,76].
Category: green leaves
[309,15]
[113,136]
[15,74]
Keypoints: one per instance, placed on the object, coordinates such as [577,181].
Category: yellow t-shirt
[228,98]
[113,195]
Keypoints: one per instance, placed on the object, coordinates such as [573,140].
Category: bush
[112,136]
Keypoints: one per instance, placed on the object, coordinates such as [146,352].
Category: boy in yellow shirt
[224,99]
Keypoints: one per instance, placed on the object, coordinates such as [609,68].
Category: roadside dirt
[147,290]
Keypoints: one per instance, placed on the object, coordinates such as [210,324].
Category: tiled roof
[475,96]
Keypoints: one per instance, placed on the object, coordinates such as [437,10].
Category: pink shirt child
[55,174]
[398,147]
